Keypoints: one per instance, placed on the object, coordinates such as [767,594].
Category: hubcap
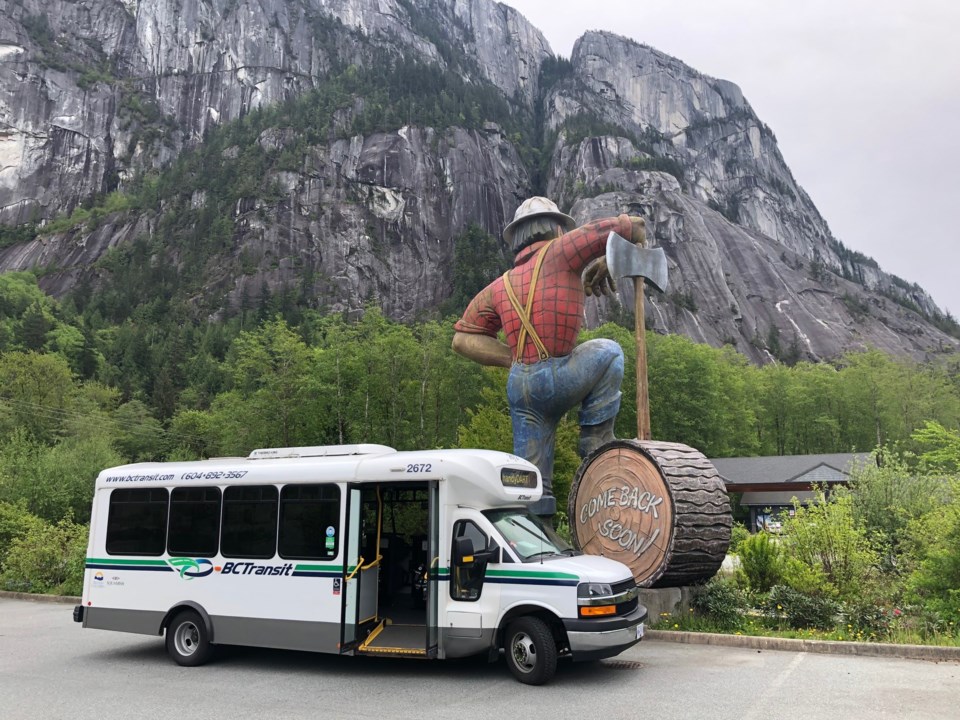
[524,652]
[187,638]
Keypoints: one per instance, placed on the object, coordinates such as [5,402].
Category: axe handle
[643,396]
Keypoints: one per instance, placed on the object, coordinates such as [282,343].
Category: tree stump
[659,508]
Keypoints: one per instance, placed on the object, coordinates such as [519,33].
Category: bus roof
[320,451]
[485,476]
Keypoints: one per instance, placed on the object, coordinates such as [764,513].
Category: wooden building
[769,484]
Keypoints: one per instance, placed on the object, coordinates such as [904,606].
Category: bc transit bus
[354,550]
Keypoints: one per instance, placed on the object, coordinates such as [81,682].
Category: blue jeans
[541,394]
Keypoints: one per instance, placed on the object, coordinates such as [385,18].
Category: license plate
[639,631]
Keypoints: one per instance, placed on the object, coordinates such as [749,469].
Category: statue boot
[546,506]
[593,436]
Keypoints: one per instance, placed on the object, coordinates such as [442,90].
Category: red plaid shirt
[557,311]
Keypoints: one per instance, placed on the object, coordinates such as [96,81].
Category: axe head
[624,259]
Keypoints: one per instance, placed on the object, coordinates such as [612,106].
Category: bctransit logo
[190,568]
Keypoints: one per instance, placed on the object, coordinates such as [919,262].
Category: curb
[932,653]
[36,597]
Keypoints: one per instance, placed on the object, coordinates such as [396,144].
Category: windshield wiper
[544,553]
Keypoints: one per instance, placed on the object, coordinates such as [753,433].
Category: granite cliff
[338,147]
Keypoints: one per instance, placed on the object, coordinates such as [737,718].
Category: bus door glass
[433,555]
[351,571]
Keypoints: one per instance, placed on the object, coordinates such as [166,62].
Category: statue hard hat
[537,207]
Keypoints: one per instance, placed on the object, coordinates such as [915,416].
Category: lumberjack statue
[539,305]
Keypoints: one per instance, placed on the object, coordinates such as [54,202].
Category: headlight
[594,590]
[595,600]
[598,598]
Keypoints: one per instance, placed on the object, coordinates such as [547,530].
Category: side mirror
[463,551]
[490,555]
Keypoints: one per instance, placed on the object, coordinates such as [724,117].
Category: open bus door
[381,614]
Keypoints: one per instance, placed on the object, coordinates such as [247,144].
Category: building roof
[780,472]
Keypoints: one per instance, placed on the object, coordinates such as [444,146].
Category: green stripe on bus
[520,574]
[314,568]
[532,575]
[117,561]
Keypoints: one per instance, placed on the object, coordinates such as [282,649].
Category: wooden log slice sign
[659,508]
[624,511]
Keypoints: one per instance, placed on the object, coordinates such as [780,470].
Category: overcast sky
[864,97]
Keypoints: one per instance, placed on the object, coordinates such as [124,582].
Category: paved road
[52,668]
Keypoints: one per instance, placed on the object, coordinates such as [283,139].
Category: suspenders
[524,312]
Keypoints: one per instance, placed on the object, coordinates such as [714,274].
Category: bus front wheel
[188,642]
[531,651]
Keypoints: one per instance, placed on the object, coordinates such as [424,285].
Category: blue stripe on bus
[154,568]
[445,577]
[311,573]
[529,581]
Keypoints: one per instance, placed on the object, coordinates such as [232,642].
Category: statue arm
[482,349]
[578,248]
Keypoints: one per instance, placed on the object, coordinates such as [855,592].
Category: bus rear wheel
[188,642]
[531,651]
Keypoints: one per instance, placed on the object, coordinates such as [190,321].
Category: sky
[863,96]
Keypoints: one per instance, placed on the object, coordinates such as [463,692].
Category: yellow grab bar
[373,563]
[357,568]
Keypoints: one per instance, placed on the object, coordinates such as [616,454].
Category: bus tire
[531,650]
[187,640]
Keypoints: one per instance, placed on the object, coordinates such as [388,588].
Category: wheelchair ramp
[388,639]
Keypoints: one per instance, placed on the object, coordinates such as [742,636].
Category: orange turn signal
[597,610]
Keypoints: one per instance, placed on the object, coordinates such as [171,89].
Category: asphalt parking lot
[50,667]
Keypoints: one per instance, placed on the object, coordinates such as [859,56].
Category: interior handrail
[356,568]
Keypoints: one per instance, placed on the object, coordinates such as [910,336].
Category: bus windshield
[529,537]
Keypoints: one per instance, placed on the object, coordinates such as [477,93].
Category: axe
[627,260]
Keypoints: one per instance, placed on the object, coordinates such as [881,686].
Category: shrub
[47,559]
[721,601]
[829,554]
[934,583]
[867,617]
[15,522]
[886,499]
[738,534]
[761,561]
[801,610]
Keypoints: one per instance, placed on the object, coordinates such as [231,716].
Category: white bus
[356,550]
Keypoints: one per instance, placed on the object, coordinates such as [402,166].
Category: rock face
[86,88]
[369,220]
[95,93]
[734,285]
[730,158]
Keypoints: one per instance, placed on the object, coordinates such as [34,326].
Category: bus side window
[466,581]
[137,521]
[194,521]
[309,522]
[249,521]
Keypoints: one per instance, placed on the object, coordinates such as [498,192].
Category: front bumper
[596,639]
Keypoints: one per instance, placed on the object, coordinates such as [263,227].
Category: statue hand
[597,280]
[638,233]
